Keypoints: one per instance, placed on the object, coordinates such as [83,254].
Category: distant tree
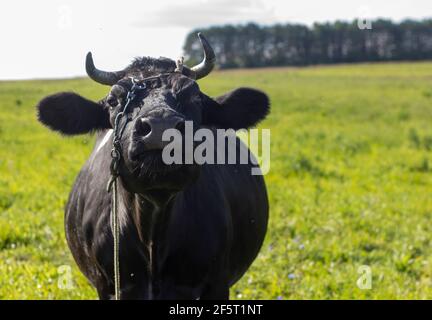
[252,45]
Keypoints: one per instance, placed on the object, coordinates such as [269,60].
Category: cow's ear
[70,114]
[239,109]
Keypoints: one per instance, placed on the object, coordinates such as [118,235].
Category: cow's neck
[150,214]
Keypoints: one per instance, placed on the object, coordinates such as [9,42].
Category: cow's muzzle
[148,132]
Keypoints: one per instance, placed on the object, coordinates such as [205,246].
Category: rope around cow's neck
[137,85]
[112,183]
[116,237]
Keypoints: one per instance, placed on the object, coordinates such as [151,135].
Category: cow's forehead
[174,81]
[145,67]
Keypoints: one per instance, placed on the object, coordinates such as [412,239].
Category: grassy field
[350,184]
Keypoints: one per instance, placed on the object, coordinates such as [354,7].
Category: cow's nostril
[180,126]
[144,127]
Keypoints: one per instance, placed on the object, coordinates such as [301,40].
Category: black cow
[187,231]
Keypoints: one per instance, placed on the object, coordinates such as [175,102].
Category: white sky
[49,38]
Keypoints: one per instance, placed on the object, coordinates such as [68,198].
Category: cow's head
[171,97]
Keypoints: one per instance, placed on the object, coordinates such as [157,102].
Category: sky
[50,38]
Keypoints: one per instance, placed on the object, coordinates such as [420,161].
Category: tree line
[252,45]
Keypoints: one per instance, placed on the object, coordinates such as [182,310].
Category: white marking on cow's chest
[150,249]
[150,287]
[105,139]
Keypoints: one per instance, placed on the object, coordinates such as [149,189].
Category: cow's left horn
[208,63]
[102,77]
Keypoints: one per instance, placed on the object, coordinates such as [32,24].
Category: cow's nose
[150,130]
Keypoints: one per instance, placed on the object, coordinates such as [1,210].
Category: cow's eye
[112,101]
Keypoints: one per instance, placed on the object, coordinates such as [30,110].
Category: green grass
[350,184]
